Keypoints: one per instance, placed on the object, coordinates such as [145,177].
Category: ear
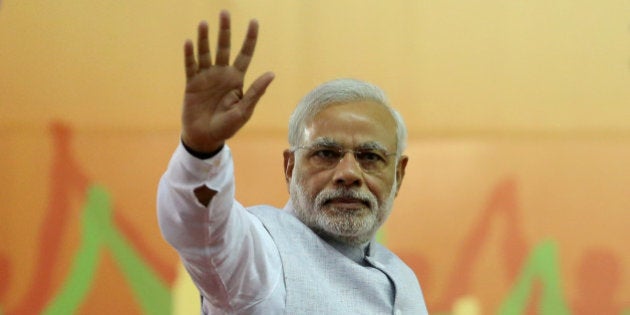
[400,171]
[289,163]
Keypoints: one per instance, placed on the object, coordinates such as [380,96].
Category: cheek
[311,182]
[381,187]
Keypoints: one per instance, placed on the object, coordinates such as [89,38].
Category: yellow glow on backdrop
[488,65]
[518,116]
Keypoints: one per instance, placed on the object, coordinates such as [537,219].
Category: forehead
[353,124]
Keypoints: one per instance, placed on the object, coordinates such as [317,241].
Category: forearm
[184,220]
[223,247]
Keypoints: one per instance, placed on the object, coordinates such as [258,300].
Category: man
[343,169]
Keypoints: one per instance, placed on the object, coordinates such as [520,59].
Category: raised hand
[215,107]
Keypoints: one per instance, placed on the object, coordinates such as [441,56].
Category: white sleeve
[228,253]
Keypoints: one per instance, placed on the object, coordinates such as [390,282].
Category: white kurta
[236,261]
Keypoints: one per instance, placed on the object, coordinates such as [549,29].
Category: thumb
[257,90]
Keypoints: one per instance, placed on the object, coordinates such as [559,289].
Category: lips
[347,202]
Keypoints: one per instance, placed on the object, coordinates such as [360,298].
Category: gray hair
[342,91]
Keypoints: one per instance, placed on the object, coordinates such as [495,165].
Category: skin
[215,108]
[351,125]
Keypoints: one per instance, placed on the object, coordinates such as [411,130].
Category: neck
[355,252]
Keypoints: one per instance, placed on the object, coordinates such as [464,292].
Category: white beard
[350,226]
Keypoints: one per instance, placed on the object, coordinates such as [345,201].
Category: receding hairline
[343,91]
[383,111]
[366,102]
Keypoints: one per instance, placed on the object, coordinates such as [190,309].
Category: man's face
[344,176]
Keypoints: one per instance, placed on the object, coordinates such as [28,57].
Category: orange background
[518,112]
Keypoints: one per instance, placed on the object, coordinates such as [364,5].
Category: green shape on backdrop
[542,264]
[152,294]
[99,233]
[84,265]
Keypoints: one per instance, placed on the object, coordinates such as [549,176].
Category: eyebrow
[326,142]
[372,145]
[330,142]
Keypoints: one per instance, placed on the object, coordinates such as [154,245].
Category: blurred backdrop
[517,193]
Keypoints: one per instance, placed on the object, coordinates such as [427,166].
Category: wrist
[202,155]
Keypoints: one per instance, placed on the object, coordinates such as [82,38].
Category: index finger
[247,50]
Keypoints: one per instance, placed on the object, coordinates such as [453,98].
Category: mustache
[328,195]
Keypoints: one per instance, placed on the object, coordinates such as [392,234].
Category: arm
[226,251]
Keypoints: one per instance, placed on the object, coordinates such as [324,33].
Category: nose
[348,171]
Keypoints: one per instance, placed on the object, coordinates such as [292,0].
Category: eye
[370,156]
[325,153]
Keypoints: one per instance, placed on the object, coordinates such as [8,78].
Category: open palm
[215,107]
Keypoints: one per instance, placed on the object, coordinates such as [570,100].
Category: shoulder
[272,215]
[390,260]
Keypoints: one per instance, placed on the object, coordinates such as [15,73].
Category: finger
[255,91]
[190,65]
[203,46]
[247,50]
[223,47]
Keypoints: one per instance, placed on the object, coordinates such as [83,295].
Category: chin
[354,240]
[349,229]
